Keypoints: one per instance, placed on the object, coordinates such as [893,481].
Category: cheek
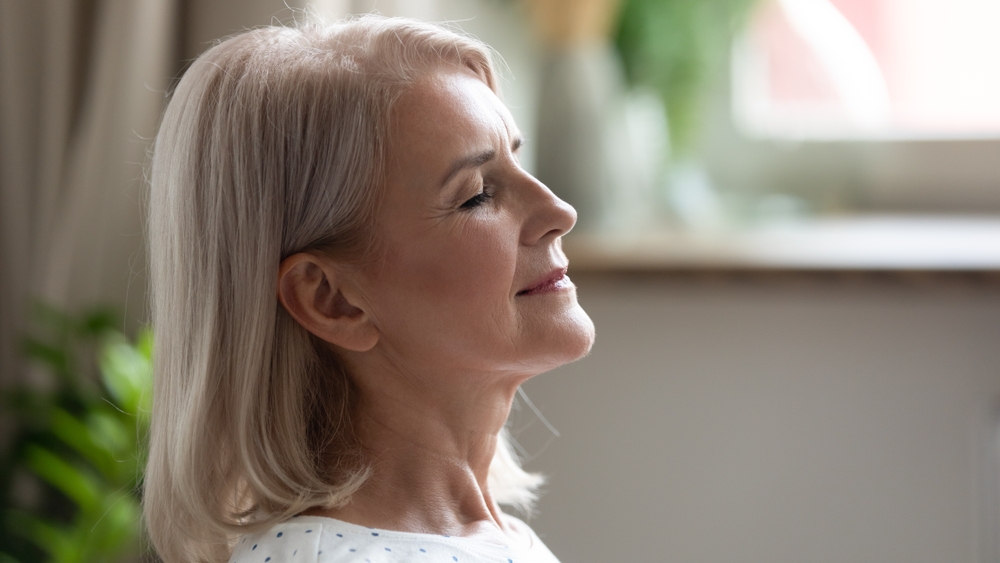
[458,283]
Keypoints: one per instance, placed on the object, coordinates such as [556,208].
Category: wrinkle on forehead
[441,118]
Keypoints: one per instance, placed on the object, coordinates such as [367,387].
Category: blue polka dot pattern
[340,542]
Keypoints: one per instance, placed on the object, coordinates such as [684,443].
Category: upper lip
[553,276]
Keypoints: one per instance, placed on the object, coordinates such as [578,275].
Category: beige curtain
[82,84]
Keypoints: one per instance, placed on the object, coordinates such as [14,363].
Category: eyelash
[479,199]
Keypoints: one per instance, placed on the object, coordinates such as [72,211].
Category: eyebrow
[477,160]
[471,161]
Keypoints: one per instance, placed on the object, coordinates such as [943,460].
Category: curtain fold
[82,86]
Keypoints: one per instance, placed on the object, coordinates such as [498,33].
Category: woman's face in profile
[473,277]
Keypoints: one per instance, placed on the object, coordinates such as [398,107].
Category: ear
[313,292]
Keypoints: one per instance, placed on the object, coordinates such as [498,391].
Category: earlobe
[311,289]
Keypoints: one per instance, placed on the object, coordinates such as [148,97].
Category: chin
[584,334]
[570,339]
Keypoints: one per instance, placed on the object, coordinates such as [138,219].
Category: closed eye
[477,200]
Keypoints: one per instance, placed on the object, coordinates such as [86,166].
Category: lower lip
[550,287]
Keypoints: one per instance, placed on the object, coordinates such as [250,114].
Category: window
[879,69]
[883,105]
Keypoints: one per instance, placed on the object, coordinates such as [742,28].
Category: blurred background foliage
[75,443]
[677,48]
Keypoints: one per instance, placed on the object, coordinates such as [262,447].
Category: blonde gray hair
[273,143]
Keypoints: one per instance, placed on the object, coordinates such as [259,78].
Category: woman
[352,275]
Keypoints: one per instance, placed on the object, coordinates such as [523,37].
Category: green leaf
[144,342]
[54,357]
[97,321]
[678,47]
[73,482]
[115,434]
[117,529]
[108,439]
[56,541]
[27,402]
[127,372]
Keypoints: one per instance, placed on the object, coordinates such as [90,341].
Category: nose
[547,217]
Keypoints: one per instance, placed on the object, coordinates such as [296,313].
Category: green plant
[677,47]
[79,443]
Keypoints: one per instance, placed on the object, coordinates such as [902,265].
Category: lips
[553,281]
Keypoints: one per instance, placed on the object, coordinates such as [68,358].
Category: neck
[430,451]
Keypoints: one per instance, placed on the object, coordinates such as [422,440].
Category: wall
[775,421]
[208,20]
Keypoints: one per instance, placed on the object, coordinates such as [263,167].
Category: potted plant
[70,474]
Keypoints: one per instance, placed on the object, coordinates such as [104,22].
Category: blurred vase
[579,87]
[599,147]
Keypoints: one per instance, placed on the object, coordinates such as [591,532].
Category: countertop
[866,243]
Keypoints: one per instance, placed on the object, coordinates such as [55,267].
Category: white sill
[867,243]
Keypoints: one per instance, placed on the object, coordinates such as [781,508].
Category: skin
[435,334]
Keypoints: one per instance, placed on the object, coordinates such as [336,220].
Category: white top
[316,539]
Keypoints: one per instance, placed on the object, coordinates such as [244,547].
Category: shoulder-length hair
[273,143]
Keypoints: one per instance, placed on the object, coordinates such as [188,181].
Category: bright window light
[869,69]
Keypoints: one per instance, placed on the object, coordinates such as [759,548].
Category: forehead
[444,115]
